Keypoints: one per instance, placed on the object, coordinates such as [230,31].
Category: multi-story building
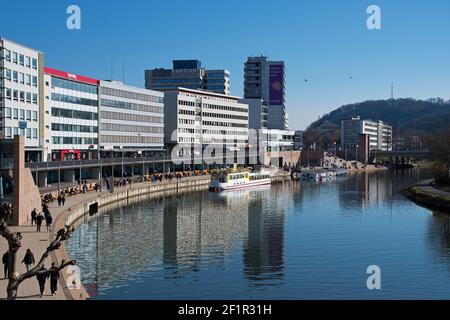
[379,134]
[188,74]
[21,75]
[298,140]
[204,118]
[264,79]
[131,119]
[257,113]
[72,102]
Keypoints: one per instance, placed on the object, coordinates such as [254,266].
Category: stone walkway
[38,242]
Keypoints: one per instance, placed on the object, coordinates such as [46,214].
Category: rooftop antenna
[392,90]
[123,72]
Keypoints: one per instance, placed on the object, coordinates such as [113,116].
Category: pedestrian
[48,220]
[63,199]
[54,277]
[28,260]
[33,216]
[41,277]
[59,200]
[5,260]
[39,219]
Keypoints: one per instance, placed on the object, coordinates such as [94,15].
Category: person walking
[63,199]
[33,216]
[5,260]
[54,277]
[41,277]
[28,260]
[39,219]
[59,200]
[48,220]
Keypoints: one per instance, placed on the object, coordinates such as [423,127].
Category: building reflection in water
[180,234]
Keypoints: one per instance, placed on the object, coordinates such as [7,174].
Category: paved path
[38,242]
[427,187]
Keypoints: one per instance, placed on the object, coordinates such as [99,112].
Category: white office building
[204,118]
[379,133]
[72,102]
[21,72]
[131,119]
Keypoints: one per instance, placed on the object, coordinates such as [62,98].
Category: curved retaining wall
[68,218]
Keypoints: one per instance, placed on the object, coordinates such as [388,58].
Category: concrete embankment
[425,194]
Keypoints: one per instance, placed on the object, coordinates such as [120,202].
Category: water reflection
[292,240]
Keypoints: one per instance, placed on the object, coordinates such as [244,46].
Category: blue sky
[325,41]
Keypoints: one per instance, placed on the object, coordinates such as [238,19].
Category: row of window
[20,77]
[186,112]
[130,139]
[30,133]
[73,85]
[22,96]
[73,128]
[130,128]
[131,117]
[224,108]
[225,132]
[130,95]
[221,88]
[20,59]
[20,114]
[176,80]
[214,81]
[130,106]
[74,140]
[224,116]
[75,100]
[74,114]
[186,103]
[225,124]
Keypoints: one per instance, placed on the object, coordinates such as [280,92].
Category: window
[21,59]
[22,96]
[8,132]
[8,93]
[34,64]
[28,62]
[35,133]
[29,133]
[8,74]
[21,78]
[14,57]
[16,131]
[22,114]
[35,97]
[15,95]
[28,97]
[8,113]
[15,76]
[28,115]
[28,80]
[7,55]
[35,81]
[34,115]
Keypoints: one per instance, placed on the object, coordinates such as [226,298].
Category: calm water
[294,240]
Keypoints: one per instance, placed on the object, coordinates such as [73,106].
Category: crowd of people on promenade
[84,187]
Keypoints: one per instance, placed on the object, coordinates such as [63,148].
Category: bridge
[401,156]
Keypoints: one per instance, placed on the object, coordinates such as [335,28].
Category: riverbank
[425,194]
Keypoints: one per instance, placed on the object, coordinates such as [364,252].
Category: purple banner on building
[276,83]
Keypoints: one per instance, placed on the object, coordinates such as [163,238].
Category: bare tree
[14,243]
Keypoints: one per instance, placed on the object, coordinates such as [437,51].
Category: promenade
[39,241]
[425,194]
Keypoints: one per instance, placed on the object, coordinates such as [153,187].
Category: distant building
[408,143]
[278,140]
[131,119]
[21,98]
[379,134]
[188,74]
[203,118]
[264,79]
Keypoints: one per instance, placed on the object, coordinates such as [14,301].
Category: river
[293,240]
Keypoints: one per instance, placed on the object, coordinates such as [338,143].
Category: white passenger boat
[239,180]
